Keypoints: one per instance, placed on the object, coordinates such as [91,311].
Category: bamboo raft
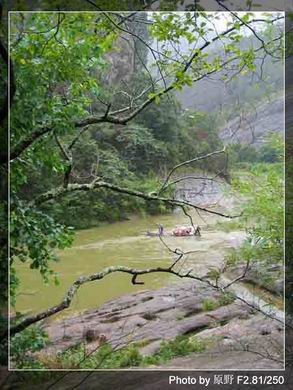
[182,231]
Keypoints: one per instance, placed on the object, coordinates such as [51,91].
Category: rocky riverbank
[234,334]
[227,328]
[270,278]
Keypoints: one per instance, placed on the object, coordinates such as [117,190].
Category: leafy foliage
[55,65]
[209,304]
[140,149]
[269,152]
[180,346]
[34,236]
[105,357]
[262,191]
[22,346]
[264,208]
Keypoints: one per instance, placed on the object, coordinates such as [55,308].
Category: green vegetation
[180,346]
[263,213]
[225,298]
[24,344]
[68,69]
[92,138]
[245,155]
[209,304]
[228,226]
[179,317]
[107,357]
[262,192]
[65,69]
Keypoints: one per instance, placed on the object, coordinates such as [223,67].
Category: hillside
[252,127]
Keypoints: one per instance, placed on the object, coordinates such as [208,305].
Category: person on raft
[187,231]
[161,230]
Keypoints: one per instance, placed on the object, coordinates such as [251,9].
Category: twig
[242,276]
[187,162]
[68,157]
[190,218]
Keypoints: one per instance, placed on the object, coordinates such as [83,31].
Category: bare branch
[65,303]
[188,178]
[67,157]
[76,138]
[133,280]
[71,292]
[242,276]
[62,148]
[107,110]
[190,218]
[187,162]
[144,66]
[28,141]
[176,251]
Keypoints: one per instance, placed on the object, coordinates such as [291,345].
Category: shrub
[23,344]
[209,304]
[226,298]
[180,346]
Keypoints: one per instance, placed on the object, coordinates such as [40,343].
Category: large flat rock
[148,315]
[235,335]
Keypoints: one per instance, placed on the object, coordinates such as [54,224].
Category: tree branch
[98,183]
[71,292]
[67,157]
[187,162]
[65,303]
[241,277]
[123,121]
[179,179]
[190,219]
[26,142]
[263,44]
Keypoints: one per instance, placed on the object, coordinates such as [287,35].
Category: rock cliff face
[121,61]
[202,190]
[253,127]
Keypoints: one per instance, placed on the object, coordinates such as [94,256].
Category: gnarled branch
[65,303]
[71,292]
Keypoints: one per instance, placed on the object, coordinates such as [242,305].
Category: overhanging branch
[98,183]
[71,292]
[65,303]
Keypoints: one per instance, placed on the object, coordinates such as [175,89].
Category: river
[123,243]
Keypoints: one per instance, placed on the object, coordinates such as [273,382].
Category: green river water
[120,243]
